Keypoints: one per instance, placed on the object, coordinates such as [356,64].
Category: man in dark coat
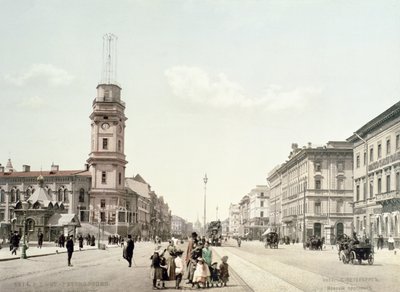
[128,250]
[70,249]
[40,240]
[15,242]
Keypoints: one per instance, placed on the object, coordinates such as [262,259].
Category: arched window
[12,196]
[18,198]
[60,195]
[49,192]
[339,229]
[30,223]
[66,195]
[28,192]
[81,195]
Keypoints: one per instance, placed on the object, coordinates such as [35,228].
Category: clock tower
[107,157]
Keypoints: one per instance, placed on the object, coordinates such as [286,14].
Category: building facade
[66,190]
[179,227]
[275,206]
[377,176]
[315,190]
[234,220]
[107,158]
[258,211]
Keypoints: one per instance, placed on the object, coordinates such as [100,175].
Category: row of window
[105,145]
[388,183]
[378,151]
[296,210]
[104,177]
[62,195]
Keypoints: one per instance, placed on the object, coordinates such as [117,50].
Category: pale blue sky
[222,87]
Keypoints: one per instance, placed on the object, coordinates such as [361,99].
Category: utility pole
[205,179]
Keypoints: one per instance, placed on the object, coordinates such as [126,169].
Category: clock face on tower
[105,126]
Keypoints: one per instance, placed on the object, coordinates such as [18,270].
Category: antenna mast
[109,74]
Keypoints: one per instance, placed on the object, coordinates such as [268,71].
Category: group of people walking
[197,267]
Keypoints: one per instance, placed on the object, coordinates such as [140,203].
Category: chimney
[1,168]
[26,168]
[87,166]
[309,144]
[54,168]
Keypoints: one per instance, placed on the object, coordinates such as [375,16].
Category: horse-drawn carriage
[314,243]
[352,250]
[271,240]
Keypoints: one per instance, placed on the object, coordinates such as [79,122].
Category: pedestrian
[169,256]
[15,242]
[214,274]
[200,274]
[179,268]
[380,242]
[80,240]
[156,270]
[390,242]
[224,270]
[128,250]
[70,249]
[61,240]
[40,240]
[88,239]
[191,245]
[207,256]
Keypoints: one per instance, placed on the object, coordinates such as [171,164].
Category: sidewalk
[48,248]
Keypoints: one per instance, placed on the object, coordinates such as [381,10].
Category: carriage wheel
[370,259]
[353,257]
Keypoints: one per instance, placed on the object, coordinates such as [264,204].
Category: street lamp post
[205,179]
[24,247]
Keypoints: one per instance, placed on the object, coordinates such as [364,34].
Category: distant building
[377,176]
[234,220]
[258,211]
[318,181]
[225,227]
[178,227]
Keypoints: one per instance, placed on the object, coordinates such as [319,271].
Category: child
[156,269]
[214,274]
[224,271]
[179,268]
[200,274]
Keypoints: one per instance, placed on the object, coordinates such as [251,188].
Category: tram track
[301,279]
